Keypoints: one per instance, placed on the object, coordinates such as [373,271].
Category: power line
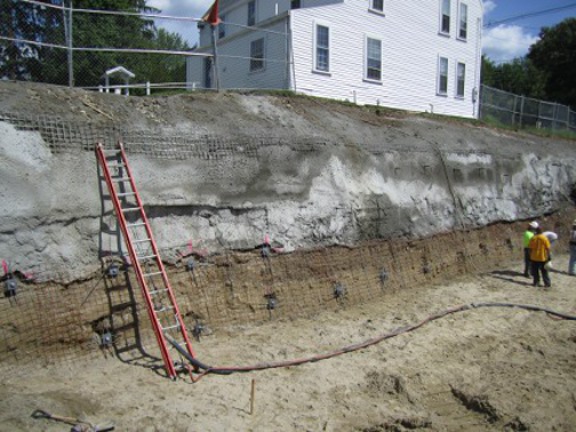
[530,14]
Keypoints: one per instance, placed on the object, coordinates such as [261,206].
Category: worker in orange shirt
[539,256]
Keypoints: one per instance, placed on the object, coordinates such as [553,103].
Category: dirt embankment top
[250,115]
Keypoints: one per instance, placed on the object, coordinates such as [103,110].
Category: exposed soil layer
[486,369]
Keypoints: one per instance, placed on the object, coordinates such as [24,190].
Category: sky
[502,42]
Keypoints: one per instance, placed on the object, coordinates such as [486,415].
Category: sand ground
[485,369]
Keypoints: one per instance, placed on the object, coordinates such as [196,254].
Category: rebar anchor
[271,301]
[198,330]
[383,276]
[10,286]
[339,291]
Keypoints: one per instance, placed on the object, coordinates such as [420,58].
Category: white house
[418,55]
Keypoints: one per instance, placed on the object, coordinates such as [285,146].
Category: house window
[377,5]
[445,17]
[295,4]
[222,27]
[443,76]
[463,21]
[374,59]
[322,48]
[207,72]
[460,79]
[257,55]
[251,13]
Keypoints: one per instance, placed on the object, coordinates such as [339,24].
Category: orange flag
[211,16]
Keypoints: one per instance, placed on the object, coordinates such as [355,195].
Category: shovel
[79,425]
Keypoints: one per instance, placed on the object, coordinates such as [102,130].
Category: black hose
[355,347]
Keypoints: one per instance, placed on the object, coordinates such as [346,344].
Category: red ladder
[160,301]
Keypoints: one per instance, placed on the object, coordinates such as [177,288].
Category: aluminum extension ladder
[144,256]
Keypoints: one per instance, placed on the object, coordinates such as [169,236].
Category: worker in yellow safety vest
[539,256]
[528,234]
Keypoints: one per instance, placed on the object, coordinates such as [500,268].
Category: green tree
[22,22]
[555,55]
[49,26]
[488,71]
[93,30]
[520,77]
[166,67]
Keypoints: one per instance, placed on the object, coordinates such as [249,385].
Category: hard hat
[533,224]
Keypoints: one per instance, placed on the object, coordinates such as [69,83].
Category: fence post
[215,62]
[514,110]
[522,99]
[68,31]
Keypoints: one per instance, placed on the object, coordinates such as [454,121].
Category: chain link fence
[523,112]
[132,52]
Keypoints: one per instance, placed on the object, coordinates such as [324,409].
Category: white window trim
[441,16]
[315,69]
[456,81]
[438,70]
[459,26]
[377,11]
[374,37]
[252,71]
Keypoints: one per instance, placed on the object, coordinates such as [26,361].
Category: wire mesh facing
[104,315]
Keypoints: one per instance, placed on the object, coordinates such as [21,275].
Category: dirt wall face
[222,171]
[52,321]
[375,211]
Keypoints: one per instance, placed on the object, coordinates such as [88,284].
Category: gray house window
[373,59]
[257,55]
[222,27]
[377,5]
[207,72]
[460,79]
[463,21]
[445,17]
[251,13]
[295,4]
[322,48]
[443,76]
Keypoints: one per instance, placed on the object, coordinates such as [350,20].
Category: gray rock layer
[225,170]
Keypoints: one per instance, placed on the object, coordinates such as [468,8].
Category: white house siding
[411,47]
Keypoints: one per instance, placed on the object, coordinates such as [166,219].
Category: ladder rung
[151,274]
[119,179]
[164,309]
[143,257]
[130,209]
[135,224]
[171,327]
[141,241]
[123,194]
[158,291]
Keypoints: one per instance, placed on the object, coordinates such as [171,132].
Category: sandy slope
[487,369]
